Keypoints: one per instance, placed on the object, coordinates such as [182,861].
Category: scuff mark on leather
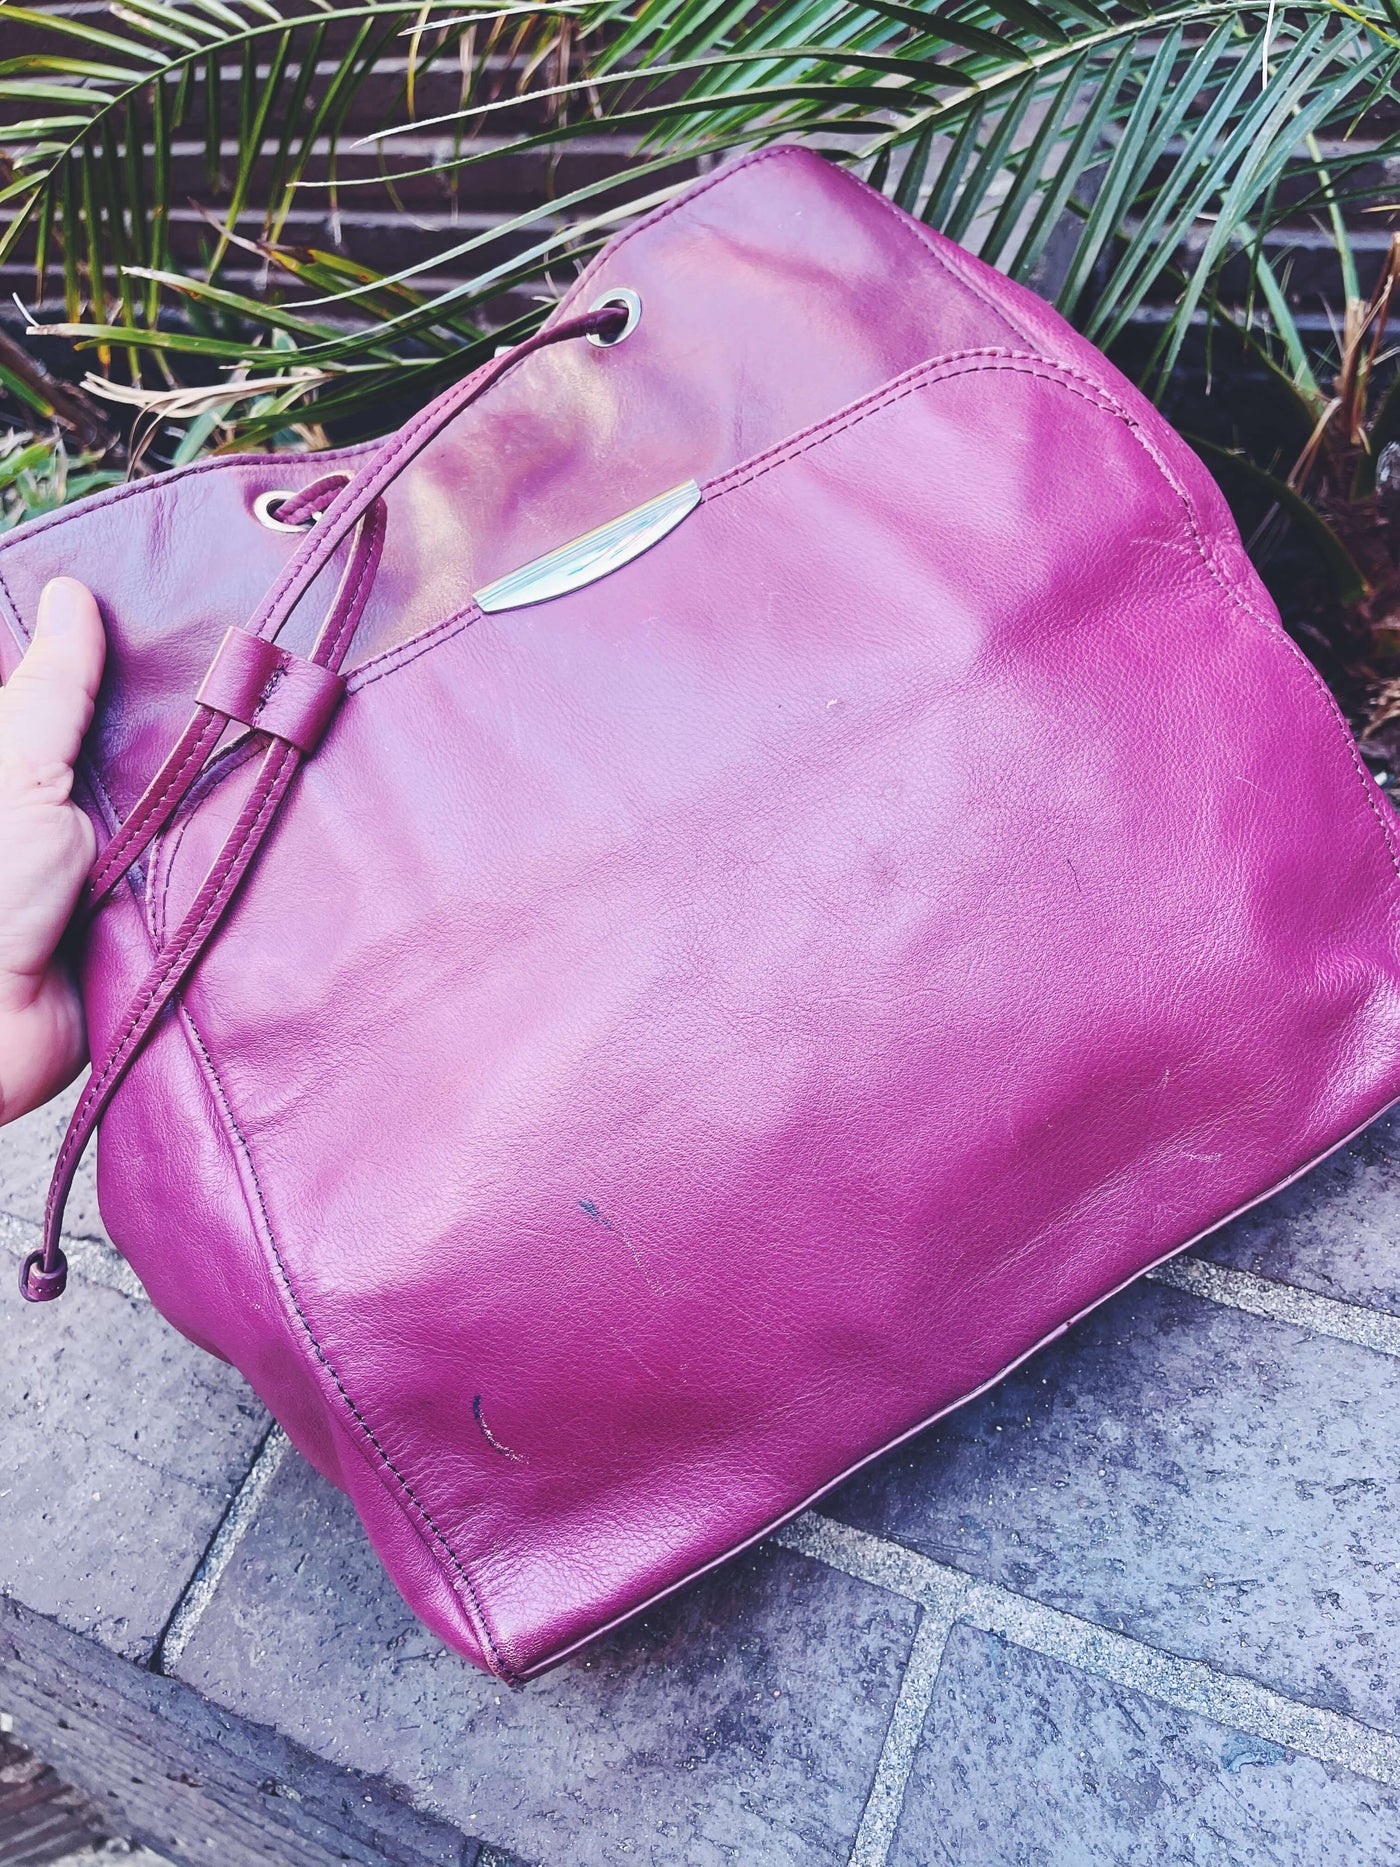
[595,1212]
[489,1436]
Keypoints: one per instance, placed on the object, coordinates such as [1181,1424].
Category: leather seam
[223,766]
[401,653]
[195,754]
[917,376]
[94,1091]
[78,1132]
[1101,399]
[508,1672]
[925,375]
[416,645]
[350,605]
[311,556]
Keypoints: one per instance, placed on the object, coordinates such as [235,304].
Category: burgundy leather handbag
[674,920]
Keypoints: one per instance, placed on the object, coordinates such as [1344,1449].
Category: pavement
[1138,1604]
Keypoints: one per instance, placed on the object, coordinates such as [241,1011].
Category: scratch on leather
[489,1436]
[599,1217]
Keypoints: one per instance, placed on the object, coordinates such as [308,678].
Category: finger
[46,705]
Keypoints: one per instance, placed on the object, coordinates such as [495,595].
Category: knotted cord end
[37,1285]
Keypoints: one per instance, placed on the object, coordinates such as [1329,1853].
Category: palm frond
[1124,134]
[264,89]
[1115,156]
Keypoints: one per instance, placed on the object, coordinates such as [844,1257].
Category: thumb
[46,705]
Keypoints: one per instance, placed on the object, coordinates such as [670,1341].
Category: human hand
[47,845]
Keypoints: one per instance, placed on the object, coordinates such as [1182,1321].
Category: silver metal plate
[584,560]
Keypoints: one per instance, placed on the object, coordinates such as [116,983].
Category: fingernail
[62,603]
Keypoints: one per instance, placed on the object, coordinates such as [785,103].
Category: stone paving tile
[28,1149]
[1216,1485]
[738,1725]
[1333,1231]
[1025,1762]
[120,1447]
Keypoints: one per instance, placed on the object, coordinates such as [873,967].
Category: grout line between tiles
[885,1802]
[1278,1302]
[223,1545]
[1187,1685]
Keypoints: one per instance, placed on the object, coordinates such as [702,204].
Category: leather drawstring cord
[170,786]
[287,700]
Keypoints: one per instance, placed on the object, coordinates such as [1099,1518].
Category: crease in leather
[367,1442]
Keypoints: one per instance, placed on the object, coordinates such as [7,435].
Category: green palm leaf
[1116,156]
[264,87]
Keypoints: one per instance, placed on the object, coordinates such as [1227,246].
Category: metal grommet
[267,505]
[627,299]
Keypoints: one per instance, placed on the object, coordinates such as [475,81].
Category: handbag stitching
[920,375]
[410,650]
[223,766]
[924,375]
[508,1672]
[401,653]
[585,278]
[195,754]
[238,756]
[215,464]
[158,482]
[116,1056]
[1100,399]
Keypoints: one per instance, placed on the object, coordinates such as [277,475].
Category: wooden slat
[41,1818]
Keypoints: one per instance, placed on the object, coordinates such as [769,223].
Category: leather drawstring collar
[287,700]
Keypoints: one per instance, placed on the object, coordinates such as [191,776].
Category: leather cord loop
[182,765]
